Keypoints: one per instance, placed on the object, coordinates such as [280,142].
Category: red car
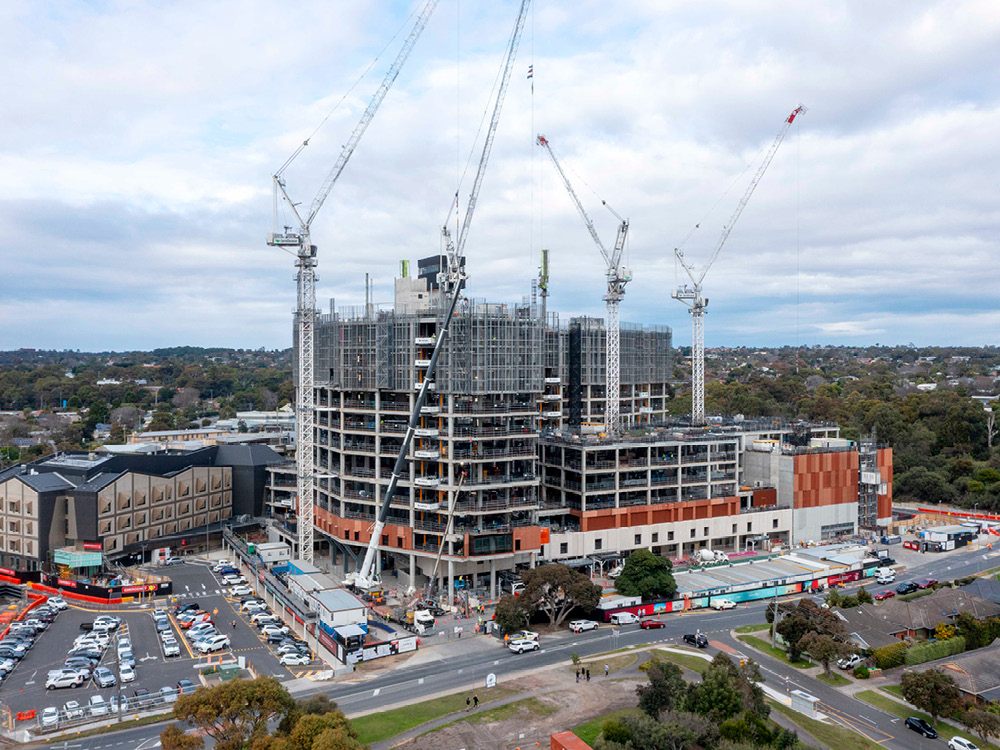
[926,583]
[881,596]
[647,624]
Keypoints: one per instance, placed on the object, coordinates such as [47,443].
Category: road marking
[420,681]
[496,662]
[376,692]
[186,587]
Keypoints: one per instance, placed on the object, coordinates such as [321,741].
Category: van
[624,618]
[885,575]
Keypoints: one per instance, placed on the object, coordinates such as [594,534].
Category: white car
[234,580]
[215,643]
[196,631]
[123,645]
[63,678]
[58,602]
[850,662]
[521,645]
[97,706]
[50,717]
[263,614]
[275,630]
[242,590]
[579,626]
[171,648]
[721,604]
[960,743]
[222,565]
[294,660]
[73,710]
[127,673]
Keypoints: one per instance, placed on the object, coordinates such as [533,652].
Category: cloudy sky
[138,138]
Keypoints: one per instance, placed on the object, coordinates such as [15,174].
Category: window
[774,523]
[656,538]
[517,544]
[563,548]
[670,536]
[734,528]
[598,544]
[692,533]
[385,539]
[705,531]
[749,525]
[638,538]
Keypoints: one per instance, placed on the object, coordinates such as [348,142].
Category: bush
[890,656]
[861,672]
[934,650]
[575,657]
[615,730]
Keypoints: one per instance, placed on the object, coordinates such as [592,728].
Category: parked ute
[696,639]
[850,662]
[521,645]
[579,626]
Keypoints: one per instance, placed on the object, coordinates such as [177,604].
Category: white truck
[423,621]
[711,556]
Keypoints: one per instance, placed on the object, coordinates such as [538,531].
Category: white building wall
[808,523]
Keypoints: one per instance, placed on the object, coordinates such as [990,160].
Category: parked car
[579,626]
[264,614]
[104,677]
[126,658]
[173,561]
[721,604]
[270,630]
[167,694]
[881,596]
[64,678]
[696,639]
[222,565]
[926,583]
[921,726]
[50,717]
[58,602]
[647,624]
[162,625]
[850,662]
[294,660]
[186,686]
[186,607]
[97,706]
[215,643]
[123,644]
[127,673]
[907,587]
[960,743]
[171,648]
[521,645]
[241,590]
[73,710]
[141,698]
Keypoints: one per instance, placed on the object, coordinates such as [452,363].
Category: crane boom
[618,277]
[452,280]
[692,297]
[305,311]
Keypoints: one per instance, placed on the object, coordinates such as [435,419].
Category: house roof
[944,605]
[868,628]
[976,672]
[985,588]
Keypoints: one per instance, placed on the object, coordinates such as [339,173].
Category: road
[449,672]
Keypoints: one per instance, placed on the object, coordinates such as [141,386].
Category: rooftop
[336,600]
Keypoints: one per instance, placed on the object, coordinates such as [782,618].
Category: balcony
[551,414]
[427,455]
[427,432]
[551,397]
[425,340]
[427,481]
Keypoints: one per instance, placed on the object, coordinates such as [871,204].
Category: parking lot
[24,689]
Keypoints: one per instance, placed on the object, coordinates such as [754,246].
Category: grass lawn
[615,662]
[831,735]
[589,731]
[753,628]
[837,680]
[770,650]
[894,707]
[382,725]
[894,689]
[508,710]
[694,663]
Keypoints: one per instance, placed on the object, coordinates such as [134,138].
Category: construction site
[449,440]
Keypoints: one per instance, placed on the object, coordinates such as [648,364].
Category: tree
[233,713]
[864,596]
[557,589]
[824,649]
[718,695]
[665,690]
[795,621]
[984,723]
[512,613]
[647,575]
[174,738]
[932,691]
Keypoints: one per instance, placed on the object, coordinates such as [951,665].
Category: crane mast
[305,310]
[692,296]
[451,281]
[618,276]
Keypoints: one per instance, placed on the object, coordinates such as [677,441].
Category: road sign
[491,680]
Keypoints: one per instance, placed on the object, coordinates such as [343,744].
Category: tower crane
[692,296]
[297,240]
[618,277]
[451,280]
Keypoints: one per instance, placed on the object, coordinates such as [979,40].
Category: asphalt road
[449,672]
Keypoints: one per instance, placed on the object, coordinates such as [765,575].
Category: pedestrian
[234,624]
[607,670]
[468,703]
[588,675]
[475,701]
[577,674]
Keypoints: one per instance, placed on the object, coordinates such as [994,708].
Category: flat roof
[737,574]
[350,631]
[337,600]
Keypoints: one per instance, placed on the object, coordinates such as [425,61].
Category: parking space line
[183,637]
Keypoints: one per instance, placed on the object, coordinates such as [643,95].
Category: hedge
[890,656]
[934,650]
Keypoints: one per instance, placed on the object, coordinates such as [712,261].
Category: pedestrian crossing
[196,594]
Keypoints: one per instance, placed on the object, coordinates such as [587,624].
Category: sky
[138,140]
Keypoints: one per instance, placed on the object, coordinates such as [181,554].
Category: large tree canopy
[647,575]
[557,590]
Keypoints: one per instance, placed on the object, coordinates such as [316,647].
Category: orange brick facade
[823,479]
[643,515]
[884,460]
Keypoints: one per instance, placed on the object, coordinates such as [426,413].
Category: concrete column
[413,571]
[532,560]
[451,582]
[493,578]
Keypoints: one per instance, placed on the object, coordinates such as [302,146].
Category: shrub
[890,656]
[934,650]
[861,672]
[615,730]
[575,657]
